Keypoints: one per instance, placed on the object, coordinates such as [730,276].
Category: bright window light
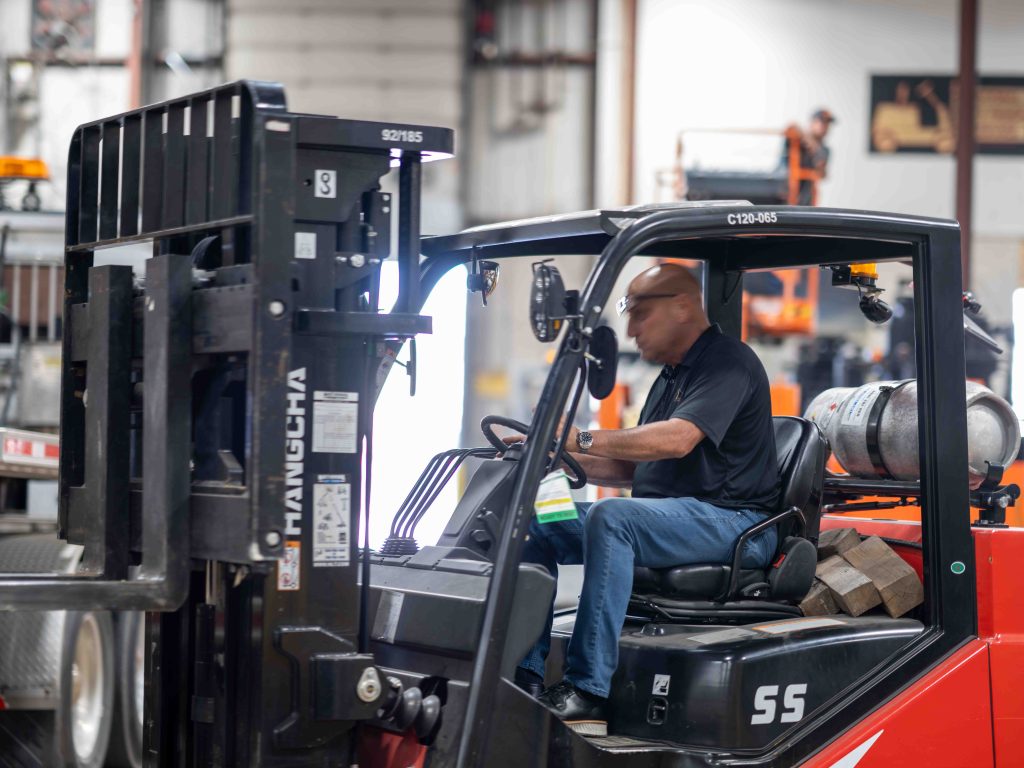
[408,431]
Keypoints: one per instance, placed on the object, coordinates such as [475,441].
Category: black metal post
[723,297]
[107,395]
[965,144]
[409,181]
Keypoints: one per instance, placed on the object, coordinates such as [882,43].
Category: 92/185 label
[761,217]
[394,134]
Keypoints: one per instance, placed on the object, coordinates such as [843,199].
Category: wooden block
[835,541]
[896,581]
[853,592]
[819,601]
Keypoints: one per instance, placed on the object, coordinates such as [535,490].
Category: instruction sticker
[661,685]
[721,636]
[858,408]
[335,422]
[288,567]
[332,502]
[305,245]
[554,500]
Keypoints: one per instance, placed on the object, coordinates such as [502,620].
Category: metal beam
[965,129]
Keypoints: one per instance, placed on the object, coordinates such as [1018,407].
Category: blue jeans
[609,538]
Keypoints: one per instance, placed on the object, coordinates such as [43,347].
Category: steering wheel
[577,479]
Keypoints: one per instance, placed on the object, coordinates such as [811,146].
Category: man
[813,152]
[702,467]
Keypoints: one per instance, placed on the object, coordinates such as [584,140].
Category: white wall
[767,63]
[68,96]
[387,60]
[530,127]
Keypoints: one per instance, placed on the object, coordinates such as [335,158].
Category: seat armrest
[756,528]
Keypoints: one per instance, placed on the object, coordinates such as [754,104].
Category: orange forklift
[217,475]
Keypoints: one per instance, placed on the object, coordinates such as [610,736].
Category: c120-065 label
[394,134]
[761,217]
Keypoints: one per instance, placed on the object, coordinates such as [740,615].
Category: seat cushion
[692,582]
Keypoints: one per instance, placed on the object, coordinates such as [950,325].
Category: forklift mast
[216,410]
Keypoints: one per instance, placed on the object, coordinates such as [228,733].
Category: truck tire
[85,708]
[125,749]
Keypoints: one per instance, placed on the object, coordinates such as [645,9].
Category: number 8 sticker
[325,183]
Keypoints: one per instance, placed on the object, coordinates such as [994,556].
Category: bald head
[666,278]
[667,314]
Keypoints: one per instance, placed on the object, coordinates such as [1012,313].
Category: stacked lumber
[854,576]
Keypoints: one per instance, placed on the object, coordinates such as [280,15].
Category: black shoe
[529,681]
[583,712]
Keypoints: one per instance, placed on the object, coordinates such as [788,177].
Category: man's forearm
[612,473]
[670,439]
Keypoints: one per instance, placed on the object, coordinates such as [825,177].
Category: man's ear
[684,306]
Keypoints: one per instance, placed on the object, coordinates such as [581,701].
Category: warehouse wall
[530,129]
[740,63]
[67,96]
[391,61]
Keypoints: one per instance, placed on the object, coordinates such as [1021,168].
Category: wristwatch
[584,440]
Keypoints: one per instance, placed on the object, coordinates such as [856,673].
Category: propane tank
[873,429]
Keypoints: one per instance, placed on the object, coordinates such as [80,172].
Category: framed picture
[918,114]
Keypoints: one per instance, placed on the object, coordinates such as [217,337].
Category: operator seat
[707,592]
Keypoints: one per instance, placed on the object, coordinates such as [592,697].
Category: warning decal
[332,501]
[288,567]
[335,422]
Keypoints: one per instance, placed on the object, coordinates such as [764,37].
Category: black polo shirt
[721,387]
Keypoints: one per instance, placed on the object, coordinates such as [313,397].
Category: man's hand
[570,441]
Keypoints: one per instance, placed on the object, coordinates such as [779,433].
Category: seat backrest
[802,452]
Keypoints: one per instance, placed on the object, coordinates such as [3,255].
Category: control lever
[406,708]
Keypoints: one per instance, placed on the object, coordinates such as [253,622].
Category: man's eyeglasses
[628,302]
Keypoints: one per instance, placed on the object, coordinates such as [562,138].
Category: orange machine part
[944,720]
[609,416]
[968,711]
[23,168]
[797,173]
[787,315]
[785,398]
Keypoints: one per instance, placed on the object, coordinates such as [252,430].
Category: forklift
[216,446]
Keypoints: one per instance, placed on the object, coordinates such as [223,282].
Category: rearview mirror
[483,278]
[602,362]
